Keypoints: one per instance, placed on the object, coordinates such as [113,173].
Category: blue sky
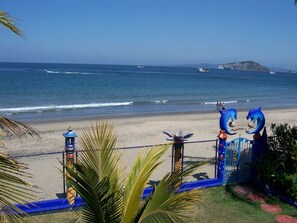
[152,32]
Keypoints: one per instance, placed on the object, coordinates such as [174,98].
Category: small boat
[272,72]
[140,66]
[221,67]
[203,70]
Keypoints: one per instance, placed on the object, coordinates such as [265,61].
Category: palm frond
[10,127]
[8,22]
[11,218]
[98,153]
[13,189]
[95,178]
[101,203]
[168,206]
[137,179]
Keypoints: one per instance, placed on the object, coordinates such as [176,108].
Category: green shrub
[287,183]
[277,168]
[285,145]
[268,167]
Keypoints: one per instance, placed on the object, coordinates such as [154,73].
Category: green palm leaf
[137,179]
[13,189]
[99,154]
[96,179]
[101,204]
[165,205]
[7,21]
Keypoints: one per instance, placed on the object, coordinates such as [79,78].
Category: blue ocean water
[31,92]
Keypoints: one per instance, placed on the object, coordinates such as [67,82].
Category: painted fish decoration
[257,117]
[228,117]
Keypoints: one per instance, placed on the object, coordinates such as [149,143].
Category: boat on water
[140,66]
[272,72]
[221,67]
[203,70]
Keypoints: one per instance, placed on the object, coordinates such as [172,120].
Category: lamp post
[177,149]
[70,160]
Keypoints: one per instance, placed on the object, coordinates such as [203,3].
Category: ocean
[43,92]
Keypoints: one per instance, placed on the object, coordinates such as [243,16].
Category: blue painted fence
[236,154]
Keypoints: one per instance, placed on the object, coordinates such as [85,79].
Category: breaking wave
[159,101]
[225,102]
[66,72]
[62,107]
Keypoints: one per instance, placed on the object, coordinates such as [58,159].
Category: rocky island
[246,66]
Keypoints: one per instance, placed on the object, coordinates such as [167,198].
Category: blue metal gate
[238,156]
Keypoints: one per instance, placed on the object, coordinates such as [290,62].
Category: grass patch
[218,204]
[52,217]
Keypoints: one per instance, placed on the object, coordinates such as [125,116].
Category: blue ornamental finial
[256,116]
[226,115]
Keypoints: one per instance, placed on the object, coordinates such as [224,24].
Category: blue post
[221,156]
[260,142]
[258,151]
[226,116]
[70,160]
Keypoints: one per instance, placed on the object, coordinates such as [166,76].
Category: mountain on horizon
[215,66]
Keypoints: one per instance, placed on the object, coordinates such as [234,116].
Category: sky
[152,32]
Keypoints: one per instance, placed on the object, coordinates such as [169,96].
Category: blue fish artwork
[226,115]
[256,116]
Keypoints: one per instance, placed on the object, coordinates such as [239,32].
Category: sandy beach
[133,131]
[146,130]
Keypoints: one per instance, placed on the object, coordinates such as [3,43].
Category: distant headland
[245,66]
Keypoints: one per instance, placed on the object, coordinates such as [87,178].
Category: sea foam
[225,102]
[62,107]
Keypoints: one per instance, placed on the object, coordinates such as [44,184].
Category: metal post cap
[69,133]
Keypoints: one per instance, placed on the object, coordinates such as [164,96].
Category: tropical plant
[284,150]
[13,187]
[7,21]
[111,196]
[285,145]
[267,167]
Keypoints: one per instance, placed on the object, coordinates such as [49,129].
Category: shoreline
[141,115]
[143,129]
